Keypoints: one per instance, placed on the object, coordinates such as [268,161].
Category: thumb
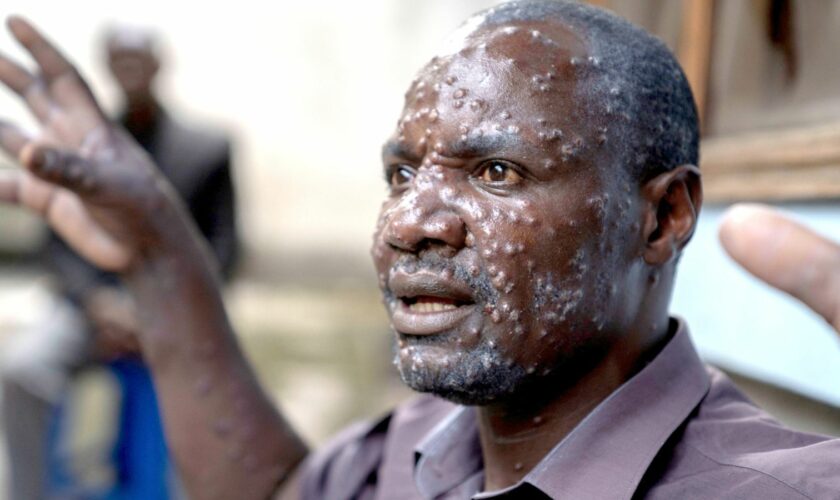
[785,255]
[59,167]
[71,220]
[10,181]
[59,183]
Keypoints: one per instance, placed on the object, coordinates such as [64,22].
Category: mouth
[427,303]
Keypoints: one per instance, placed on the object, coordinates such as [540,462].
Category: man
[542,186]
[94,319]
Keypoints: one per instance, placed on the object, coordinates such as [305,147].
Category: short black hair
[633,76]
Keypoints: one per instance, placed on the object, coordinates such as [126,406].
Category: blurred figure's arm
[214,208]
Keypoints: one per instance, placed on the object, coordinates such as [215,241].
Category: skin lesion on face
[494,252]
[506,115]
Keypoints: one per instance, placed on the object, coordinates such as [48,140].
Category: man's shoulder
[731,444]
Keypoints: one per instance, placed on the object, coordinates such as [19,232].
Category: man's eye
[400,176]
[498,172]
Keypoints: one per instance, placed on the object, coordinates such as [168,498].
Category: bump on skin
[537,270]
[632,74]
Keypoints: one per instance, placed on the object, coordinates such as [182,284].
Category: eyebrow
[472,146]
[481,145]
[399,150]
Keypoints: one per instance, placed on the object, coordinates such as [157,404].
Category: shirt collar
[449,454]
[605,456]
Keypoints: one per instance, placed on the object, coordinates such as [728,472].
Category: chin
[477,377]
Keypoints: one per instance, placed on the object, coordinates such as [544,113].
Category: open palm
[90,181]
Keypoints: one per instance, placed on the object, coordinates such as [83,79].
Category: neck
[515,437]
[517,434]
[140,113]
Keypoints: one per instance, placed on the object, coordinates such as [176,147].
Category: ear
[673,203]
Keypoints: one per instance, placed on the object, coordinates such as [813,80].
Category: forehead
[508,56]
[129,43]
[535,45]
[516,80]
[119,53]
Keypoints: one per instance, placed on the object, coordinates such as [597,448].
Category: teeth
[426,307]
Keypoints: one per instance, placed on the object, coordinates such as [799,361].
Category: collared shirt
[675,430]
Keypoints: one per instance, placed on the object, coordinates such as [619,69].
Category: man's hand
[102,194]
[90,181]
[786,255]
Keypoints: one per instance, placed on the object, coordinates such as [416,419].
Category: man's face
[502,244]
[134,69]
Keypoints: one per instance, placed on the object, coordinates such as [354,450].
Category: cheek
[505,243]
[573,290]
[380,251]
[545,270]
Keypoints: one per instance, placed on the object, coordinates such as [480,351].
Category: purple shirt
[676,430]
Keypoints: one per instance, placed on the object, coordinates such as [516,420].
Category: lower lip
[409,322]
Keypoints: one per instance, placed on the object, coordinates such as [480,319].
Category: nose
[425,221]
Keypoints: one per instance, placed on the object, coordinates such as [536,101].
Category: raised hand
[103,195]
[90,181]
[786,255]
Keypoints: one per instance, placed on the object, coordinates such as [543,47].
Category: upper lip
[406,286]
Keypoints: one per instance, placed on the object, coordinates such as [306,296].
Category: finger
[49,59]
[12,139]
[60,167]
[35,194]
[62,80]
[10,180]
[32,90]
[64,211]
[74,224]
[786,255]
[16,77]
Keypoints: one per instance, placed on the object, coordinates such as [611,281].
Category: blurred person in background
[93,319]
